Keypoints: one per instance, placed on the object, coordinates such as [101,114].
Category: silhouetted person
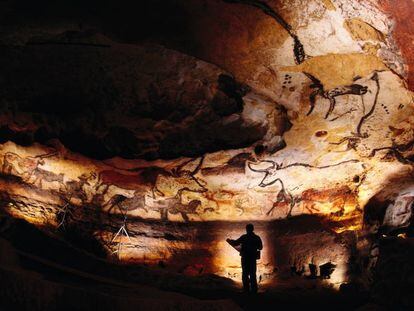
[251,244]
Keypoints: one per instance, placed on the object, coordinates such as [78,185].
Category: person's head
[249,228]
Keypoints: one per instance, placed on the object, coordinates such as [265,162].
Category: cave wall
[250,111]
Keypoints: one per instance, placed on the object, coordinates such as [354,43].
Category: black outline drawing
[277,167]
[176,172]
[300,56]
[11,160]
[175,206]
[353,89]
[298,50]
[126,204]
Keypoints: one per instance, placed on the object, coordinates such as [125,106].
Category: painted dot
[321,133]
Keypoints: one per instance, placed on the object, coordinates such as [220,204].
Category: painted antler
[180,191]
[179,169]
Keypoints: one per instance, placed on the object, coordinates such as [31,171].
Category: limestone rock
[247,111]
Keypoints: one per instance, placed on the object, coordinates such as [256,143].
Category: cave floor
[286,294]
[46,259]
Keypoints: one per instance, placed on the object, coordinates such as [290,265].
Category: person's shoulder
[256,236]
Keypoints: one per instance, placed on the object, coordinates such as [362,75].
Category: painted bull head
[270,171]
[272,168]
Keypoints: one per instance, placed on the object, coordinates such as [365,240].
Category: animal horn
[261,170]
[46,155]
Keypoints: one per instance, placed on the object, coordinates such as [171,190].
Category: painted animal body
[301,58]
[175,206]
[187,176]
[41,175]
[152,177]
[353,89]
[185,209]
[20,166]
[338,197]
[75,188]
[145,177]
[125,204]
[271,171]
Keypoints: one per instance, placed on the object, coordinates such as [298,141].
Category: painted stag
[76,188]
[175,206]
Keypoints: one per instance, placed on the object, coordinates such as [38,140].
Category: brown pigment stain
[321,133]
[402,12]
[362,31]
[335,70]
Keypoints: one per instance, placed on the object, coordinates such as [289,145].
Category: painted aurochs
[295,115]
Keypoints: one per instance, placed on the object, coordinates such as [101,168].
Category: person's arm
[235,242]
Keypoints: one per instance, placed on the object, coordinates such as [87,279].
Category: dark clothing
[249,274]
[250,245]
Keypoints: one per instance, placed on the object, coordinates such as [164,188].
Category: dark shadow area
[59,261]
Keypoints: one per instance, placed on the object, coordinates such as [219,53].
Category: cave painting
[175,206]
[354,89]
[125,204]
[23,167]
[271,172]
[335,66]
[351,129]
[284,196]
[184,175]
[298,50]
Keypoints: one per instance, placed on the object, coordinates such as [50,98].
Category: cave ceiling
[195,111]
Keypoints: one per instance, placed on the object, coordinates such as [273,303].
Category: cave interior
[137,136]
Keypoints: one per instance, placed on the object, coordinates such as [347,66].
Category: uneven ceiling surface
[233,111]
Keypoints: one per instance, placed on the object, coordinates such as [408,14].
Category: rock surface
[252,111]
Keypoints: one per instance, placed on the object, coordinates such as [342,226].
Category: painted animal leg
[312,101]
[164,214]
[332,103]
[270,211]
[111,207]
[143,206]
[291,206]
[185,217]
[6,169]
[318,90]
[155,190]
